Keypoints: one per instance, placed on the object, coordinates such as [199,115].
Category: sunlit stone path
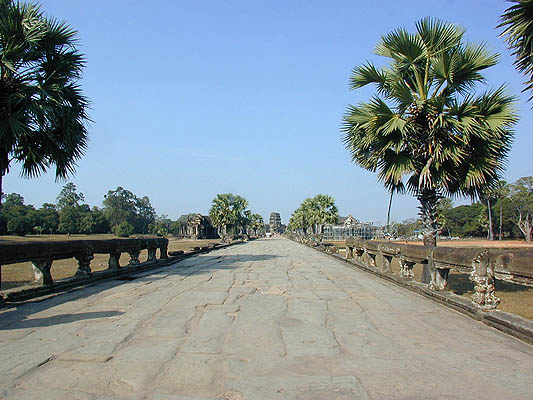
[269,319]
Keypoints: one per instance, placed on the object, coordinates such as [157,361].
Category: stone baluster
[386,263]
[482,275]
[152,251]
[41,271]
[439,276]
[163,249]
[114,260]
[349,252]
[84,265]
[406,268]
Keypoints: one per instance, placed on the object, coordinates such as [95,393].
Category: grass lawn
[516,299]
[20,274]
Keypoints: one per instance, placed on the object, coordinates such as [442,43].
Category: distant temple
[275,222]
[200,227]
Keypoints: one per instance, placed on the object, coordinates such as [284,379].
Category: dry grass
[516,299]
[20,274]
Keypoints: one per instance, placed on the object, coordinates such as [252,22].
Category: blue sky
[194,98]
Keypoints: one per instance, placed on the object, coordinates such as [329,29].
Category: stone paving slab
[269,319]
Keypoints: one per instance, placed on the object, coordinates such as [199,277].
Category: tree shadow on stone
[56,319]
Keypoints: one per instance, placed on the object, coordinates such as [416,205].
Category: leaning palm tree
[42,111]
[426,131]
[518,23]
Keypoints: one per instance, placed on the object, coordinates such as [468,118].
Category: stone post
[163,252]
[84,265]
[386,263]
[482,275]
[41,271]
[349,252]
[114,260]
[152,254]
[439,276]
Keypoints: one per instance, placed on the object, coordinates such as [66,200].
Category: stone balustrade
[483,264]
[43,253]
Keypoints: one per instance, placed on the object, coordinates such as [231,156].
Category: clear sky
[194,98]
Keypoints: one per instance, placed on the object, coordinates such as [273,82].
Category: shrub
[123,229]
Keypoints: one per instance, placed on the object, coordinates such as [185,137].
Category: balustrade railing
[43,254]
[484,265]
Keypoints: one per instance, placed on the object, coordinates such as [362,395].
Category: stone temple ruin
[200,227]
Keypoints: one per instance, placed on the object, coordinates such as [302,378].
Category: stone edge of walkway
[17,295]
[514,325]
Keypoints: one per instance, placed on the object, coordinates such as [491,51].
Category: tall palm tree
[425,130]
[228,212]
[324,211]
[42,111]
[518,23]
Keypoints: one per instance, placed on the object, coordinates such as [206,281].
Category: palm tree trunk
[490,233]
[428,214]
[388,211]
[501,217]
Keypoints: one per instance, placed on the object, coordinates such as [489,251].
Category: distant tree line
[504,212]
[123,213]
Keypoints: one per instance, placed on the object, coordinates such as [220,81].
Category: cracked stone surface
[268,319]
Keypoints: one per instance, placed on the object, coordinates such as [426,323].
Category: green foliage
[121,205]
[70,219]
[518,23]
[521,195]
[425,130]
[227,213]
[42,110]
[313,214]
[69,197]
[256,224]
[123,229]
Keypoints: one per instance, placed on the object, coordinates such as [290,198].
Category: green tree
[48,218]
[518,23]
[18,218]
[42,110]
[426,131]
[227,213]
[123,229]
[256,224]
[69,197]
[120,205]
[70,220]
[521,195]
[323,211]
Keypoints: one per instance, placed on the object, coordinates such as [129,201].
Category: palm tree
[425,131]
[228,211]
[518,23]
[324,211]
[42,111]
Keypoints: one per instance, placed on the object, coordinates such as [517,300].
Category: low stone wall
[483,264]
[43,254]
